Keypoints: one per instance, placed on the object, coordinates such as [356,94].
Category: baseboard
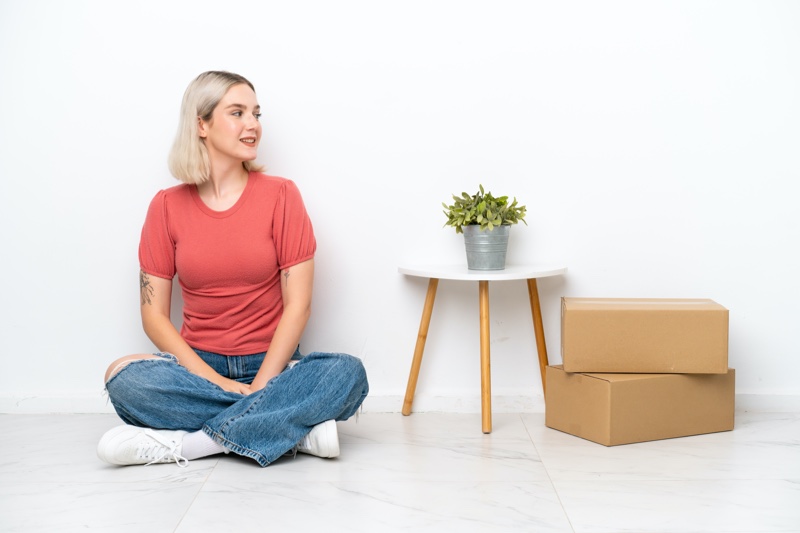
[768,403]
[66,402]
[454,404]
[96,402]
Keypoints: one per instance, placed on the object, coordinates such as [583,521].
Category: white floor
[427,472]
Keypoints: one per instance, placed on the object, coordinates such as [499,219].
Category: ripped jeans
[161,394]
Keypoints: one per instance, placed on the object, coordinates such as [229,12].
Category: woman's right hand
[231,385]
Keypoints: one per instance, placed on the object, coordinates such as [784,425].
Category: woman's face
[234,130]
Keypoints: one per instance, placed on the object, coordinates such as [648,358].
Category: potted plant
[485,221]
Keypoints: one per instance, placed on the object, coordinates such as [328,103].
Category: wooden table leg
[427,310]
[538,329]
[486,371]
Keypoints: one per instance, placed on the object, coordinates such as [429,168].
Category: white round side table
[528,272]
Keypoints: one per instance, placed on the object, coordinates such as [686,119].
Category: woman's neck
[223,188]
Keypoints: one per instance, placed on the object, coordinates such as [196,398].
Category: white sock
[198,444]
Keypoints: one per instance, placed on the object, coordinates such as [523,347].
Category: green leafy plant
[483,209]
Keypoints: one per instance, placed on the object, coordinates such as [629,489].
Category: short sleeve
[156,247]
[292,231]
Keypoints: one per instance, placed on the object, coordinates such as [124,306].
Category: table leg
[538,329]
[486,372]
[427,310]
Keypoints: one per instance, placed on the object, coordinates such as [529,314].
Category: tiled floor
[427,472]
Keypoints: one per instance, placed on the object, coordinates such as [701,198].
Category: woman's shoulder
[168,200]
[182,189]
[178,192]
[268,179]
[273,184]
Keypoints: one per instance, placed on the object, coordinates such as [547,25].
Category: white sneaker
[322,440]
[131,445]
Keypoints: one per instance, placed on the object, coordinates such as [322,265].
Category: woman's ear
[201,128]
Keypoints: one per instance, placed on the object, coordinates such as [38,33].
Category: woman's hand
[255,387]
[231,385]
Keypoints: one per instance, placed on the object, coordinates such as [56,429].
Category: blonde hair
[188,158]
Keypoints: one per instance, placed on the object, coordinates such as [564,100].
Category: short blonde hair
[188,159]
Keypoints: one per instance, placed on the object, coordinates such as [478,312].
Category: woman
[242,246]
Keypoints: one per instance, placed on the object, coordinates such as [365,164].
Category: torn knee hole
[122,364]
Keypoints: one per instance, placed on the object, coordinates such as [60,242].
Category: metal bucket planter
[486,250]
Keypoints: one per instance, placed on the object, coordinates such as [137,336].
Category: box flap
[639,304]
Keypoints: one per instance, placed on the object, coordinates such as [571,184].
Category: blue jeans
[161,394]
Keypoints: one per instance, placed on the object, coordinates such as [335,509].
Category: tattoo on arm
[145,288]
[286,276]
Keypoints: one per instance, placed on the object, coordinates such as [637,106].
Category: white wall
[654,143]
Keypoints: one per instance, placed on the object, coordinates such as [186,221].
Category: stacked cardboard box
[636,370]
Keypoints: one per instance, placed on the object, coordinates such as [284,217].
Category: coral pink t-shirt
[228,262]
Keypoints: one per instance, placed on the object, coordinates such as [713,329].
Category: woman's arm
[296,287]
[156,296]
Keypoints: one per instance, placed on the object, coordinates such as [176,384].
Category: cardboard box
[682,336]
[613,409]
